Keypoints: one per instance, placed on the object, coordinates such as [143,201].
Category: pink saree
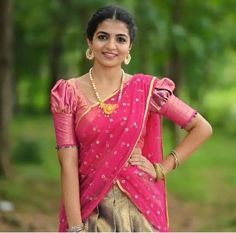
[106,143]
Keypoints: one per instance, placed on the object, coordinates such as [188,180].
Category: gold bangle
[160,174]
[175,155]
[75,229]
[162,171]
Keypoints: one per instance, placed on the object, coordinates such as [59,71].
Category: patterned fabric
[116,213]
[106,143]
[63,105]
[164,102]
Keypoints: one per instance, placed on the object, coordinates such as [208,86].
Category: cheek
[97,45]
[124,50]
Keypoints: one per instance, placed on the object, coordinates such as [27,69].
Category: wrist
[76,228]
[167,165]
[160,172]
[175,156]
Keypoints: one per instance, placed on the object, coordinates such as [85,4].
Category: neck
[106,75]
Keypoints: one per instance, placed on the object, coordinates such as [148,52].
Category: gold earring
[89,54]
[127,59]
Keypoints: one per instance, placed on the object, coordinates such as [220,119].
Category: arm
[68,158]
[198,129]
[64,102]
[197,132]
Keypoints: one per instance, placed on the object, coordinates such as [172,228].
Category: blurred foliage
[27,152]
[49,34]
[204,37]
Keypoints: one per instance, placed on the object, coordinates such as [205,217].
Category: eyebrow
[102,32]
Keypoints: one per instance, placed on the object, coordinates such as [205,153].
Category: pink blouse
[67,103]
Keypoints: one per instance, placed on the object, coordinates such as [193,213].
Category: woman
[108,131]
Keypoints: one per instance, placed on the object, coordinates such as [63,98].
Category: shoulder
[139,78]
[81,82]
[143,80]
[62,85]
[151,81]
[64,97]
[164,83]
[70,84]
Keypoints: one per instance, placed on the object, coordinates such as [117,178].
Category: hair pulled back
[111,12]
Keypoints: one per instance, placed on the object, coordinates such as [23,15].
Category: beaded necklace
[108,109]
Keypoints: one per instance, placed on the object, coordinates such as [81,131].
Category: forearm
[197,133]
[71,196]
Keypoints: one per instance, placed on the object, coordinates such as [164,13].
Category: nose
[111,43]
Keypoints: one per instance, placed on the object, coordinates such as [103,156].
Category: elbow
[203,127]
[208,130]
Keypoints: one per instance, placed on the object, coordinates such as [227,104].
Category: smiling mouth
[109,55]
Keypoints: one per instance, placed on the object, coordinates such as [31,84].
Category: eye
[102,37]
[121,39]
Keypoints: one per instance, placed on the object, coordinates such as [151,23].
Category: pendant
[108,109]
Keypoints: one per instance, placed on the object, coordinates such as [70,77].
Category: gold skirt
[116,213]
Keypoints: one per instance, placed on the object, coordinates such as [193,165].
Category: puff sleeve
[63,108]
[164,102]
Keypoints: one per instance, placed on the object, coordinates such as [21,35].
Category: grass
[40,131]
[31,187]
[207,181]
[210,168]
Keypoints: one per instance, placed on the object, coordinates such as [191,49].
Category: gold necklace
[108,109]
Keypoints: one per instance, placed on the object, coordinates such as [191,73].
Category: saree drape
[106,143]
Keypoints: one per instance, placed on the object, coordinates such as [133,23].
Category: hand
[142,162]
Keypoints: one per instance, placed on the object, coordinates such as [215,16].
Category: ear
[130,47]
[89,43]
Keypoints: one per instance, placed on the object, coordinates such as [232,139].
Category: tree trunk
[175,66]
[84,64]
[5,84]
[55,57]
[56,49]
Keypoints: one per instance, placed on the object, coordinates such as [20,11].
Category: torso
[86,88]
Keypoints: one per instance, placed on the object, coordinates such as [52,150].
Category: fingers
[136,152]
[143,165]
[137,159]
[137,162]
[141,161]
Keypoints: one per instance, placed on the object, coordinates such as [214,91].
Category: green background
[193,42]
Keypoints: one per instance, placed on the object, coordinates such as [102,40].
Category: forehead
[112,26]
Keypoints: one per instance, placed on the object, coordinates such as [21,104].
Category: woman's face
[111,43]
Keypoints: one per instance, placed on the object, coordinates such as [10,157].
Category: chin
[110,63]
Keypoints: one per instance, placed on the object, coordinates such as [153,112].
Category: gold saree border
[122,189]
[167,209]
[145,115]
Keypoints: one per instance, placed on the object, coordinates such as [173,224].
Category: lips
[109,55]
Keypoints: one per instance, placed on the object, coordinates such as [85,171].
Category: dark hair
[111,12]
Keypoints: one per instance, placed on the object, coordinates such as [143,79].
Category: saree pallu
[106,143]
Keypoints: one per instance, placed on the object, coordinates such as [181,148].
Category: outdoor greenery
[193,42]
